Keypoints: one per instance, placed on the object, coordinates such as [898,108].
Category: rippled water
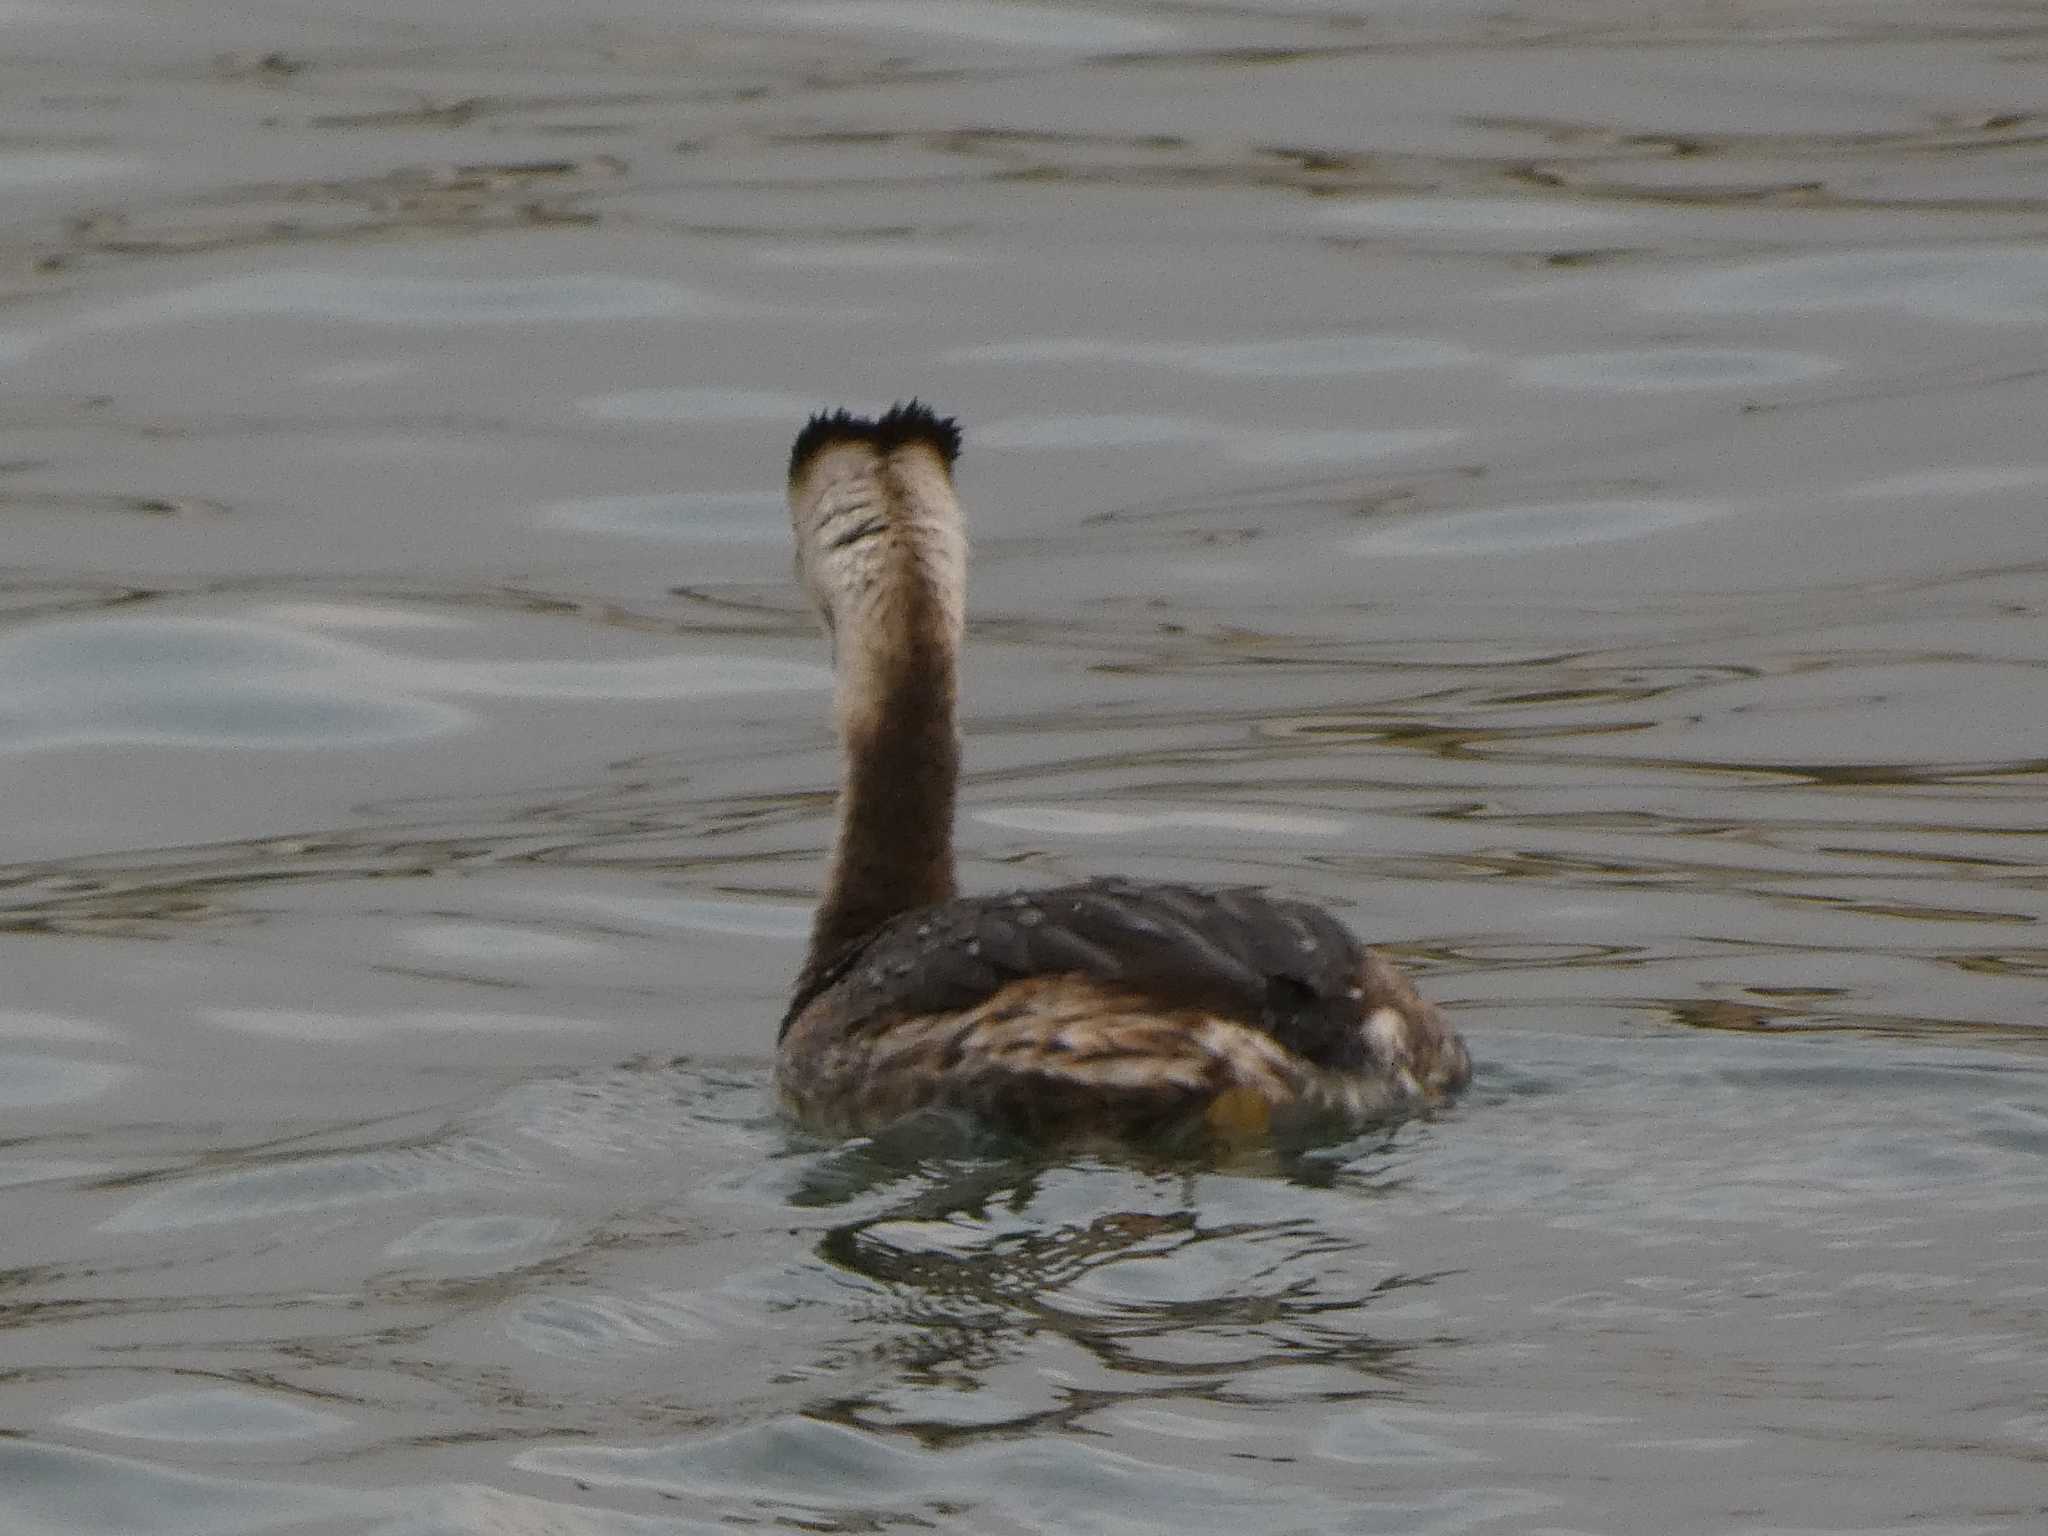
[1562,483]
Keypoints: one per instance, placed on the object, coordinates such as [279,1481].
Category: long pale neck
[894,847]
[897,629]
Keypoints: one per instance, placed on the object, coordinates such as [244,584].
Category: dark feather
[910,422]
[1280,966]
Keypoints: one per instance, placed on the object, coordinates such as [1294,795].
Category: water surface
[1560,484]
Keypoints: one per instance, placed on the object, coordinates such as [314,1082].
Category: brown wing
[1281,967]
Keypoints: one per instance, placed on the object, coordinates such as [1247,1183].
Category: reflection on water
[1673,368]
[415,301]
[941,1335]
[1018,25]
[1308,357]
[1985,284]
[1520,218]
[217,682]
[207,1414]
[743,517]
[1595,548]
[1275,446]
[32,1080]
[699,405]
[1508,528]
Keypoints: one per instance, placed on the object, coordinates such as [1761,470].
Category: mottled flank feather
[1062,1056]
[900,425]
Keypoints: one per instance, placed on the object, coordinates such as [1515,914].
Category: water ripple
[1980,284]
[202,681]
[807,1469]
[1674,369]
[1006,22]
[208,1414]
[1541,526]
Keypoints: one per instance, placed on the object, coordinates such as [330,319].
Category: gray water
[1562,483]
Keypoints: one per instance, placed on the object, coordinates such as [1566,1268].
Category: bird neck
[896,697]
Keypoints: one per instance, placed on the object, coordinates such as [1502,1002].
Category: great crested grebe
[1110,1008]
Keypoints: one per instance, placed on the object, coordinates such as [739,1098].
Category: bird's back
[1112,1005]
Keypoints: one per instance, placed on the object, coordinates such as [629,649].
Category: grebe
[1112,1008]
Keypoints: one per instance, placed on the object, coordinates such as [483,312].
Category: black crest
[898,427]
